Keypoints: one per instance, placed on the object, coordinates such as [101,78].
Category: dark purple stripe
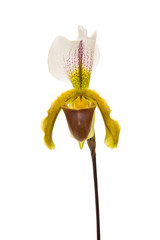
[80,55]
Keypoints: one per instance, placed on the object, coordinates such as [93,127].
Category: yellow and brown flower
[74,61]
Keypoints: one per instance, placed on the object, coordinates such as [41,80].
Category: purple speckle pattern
[80,53]
[78,63]
[79,56]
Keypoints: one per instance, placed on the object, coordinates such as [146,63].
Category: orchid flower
[74,61]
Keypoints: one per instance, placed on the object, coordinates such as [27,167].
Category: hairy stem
[92,146]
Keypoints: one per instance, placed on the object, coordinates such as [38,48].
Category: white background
[49,194]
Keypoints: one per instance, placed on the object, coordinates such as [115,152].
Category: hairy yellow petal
[48,122]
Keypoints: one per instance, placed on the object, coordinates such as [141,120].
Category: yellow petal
[112,126]
[48,123]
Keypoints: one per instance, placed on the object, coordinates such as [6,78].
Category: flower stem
[92,146]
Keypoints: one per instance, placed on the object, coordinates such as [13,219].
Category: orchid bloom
[74,61]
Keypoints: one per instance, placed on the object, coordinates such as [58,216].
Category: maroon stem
[92,145]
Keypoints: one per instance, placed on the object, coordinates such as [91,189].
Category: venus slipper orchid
[74,61]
